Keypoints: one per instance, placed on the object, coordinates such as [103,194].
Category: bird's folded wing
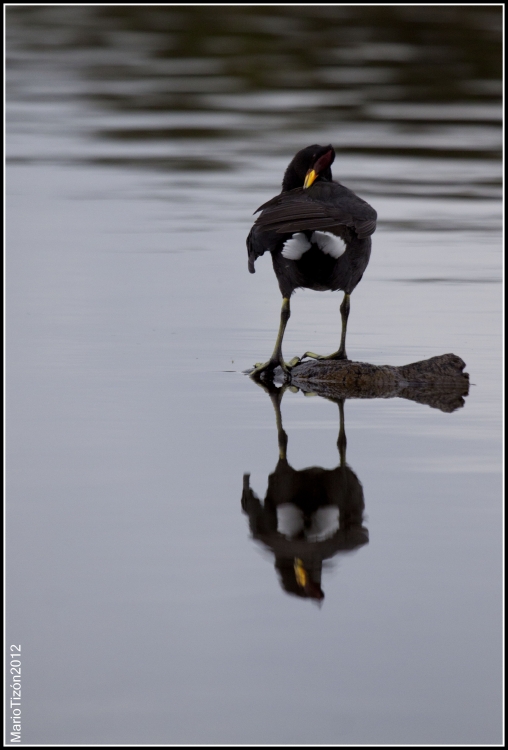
[325,206]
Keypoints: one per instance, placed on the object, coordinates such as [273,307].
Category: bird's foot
[267,370]
[336,355]
[293,362]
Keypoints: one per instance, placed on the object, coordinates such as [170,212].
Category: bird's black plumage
[313,213]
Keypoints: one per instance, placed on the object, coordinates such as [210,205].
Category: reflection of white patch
[325,522]
[329,244]
[296,246]
[289,520]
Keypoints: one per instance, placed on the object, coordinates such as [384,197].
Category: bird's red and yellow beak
[321,164]
[310,178]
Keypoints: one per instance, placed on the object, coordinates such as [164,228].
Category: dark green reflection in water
[438,53]
[420,82]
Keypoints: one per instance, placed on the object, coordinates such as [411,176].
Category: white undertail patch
[296,246]
[329,243]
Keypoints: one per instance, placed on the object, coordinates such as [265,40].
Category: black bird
[318,233]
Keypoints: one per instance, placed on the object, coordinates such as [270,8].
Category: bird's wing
[327,206]
[258,243]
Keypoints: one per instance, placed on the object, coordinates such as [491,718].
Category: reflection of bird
[318,233]
[307,516]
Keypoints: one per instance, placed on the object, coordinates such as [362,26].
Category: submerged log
[439,382]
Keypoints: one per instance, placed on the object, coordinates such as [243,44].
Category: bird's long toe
[322,357]
[293,362]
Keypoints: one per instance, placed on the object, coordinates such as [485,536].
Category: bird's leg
[341,352]
[276,359]
[344,314]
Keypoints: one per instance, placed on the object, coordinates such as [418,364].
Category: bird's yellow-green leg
[341,352]
[276,359]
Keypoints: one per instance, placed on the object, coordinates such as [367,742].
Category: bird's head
[310,164]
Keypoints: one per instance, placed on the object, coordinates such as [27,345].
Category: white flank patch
[329,244]
[296,246]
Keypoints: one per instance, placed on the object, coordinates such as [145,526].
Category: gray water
[139,143]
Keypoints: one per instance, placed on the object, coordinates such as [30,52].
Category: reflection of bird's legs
[342,441]
[341,352]
[282,437]
[276,358]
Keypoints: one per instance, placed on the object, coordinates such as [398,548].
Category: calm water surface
[156,596]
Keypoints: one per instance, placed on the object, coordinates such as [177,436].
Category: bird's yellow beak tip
[309,178]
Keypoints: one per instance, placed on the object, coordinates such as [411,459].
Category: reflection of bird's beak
[312,590]
[309,178]
[300,573]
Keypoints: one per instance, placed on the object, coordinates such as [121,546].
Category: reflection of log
[439,381]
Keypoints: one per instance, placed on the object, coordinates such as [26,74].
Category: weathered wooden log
[439,382]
